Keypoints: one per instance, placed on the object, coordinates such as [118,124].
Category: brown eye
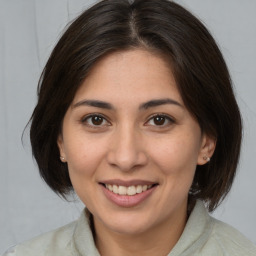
[159,120]
[95,121]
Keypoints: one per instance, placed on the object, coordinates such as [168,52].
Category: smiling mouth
[128,191]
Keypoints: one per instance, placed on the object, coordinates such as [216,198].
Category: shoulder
[205,235]
[229,241]
[52,243]
[73,239]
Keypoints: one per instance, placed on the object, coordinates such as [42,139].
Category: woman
[135,110]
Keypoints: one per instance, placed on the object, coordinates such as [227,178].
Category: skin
[129,143]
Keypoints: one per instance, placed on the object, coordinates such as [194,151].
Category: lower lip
[128,201]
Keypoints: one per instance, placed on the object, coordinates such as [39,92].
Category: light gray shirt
[203,236]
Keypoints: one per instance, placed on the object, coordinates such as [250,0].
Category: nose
[127,151]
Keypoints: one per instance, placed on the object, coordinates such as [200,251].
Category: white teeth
[122,190]
[138,189]
[144,188]
[110,187]
[115,189]
[130,191]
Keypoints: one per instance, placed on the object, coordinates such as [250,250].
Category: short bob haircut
[162,27]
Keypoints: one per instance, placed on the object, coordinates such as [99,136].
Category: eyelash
[86,118]
[166,117]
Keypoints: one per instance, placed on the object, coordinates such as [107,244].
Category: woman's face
[131,145]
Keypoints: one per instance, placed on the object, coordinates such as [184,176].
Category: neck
[158,240]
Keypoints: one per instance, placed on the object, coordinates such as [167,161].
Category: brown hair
[197,64]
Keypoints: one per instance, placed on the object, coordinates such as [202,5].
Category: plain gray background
[28,31]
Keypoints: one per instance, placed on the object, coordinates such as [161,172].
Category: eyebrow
[146,105]
[159,102]
[94,103]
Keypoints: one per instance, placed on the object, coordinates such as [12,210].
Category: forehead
[135,74]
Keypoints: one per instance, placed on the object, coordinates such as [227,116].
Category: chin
[128,223]
[133,228]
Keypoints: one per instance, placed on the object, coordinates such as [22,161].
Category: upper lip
[127,183]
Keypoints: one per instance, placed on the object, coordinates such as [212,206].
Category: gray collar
[196,233]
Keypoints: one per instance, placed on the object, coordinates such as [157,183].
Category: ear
[61,148]
[207,149]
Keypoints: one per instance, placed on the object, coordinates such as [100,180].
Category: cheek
[176,155]
[83,157]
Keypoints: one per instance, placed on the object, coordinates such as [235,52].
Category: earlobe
[207,149]
[61,150]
